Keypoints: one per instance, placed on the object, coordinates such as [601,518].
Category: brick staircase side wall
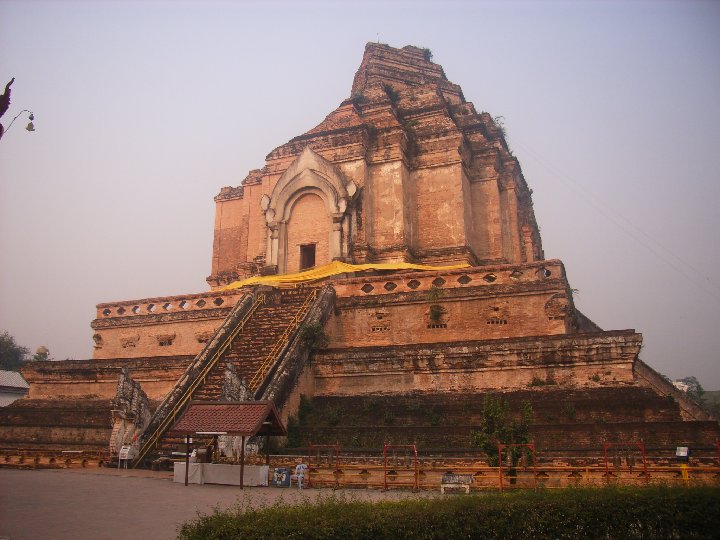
[282,379]
[191,373]
[651,378]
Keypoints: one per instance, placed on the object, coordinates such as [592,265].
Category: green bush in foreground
[654,512]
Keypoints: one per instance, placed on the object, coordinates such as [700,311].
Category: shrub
[651,512]
[391,93]
[333,416]
[497,426]
[314,335]
[436,313]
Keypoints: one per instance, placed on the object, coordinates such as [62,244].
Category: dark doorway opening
[307,256]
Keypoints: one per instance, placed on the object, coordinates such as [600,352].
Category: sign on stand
[127,453]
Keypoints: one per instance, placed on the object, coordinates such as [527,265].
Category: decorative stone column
[336,237]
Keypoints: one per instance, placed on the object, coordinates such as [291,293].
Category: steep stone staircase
[261,333]
[257,346]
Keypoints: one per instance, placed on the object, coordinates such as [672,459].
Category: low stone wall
[73,379]
[82,424]
[162,326]
[491,302]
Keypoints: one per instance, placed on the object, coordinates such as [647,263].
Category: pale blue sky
[145,109]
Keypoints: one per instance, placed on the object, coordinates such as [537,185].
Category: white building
[12,387]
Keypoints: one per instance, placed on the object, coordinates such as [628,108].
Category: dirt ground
[109,504]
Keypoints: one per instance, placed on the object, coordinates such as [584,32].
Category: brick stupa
[405,171]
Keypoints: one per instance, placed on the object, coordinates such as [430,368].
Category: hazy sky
[145,109]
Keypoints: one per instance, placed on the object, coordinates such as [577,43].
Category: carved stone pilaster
[130,412]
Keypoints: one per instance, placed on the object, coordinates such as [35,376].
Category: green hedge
[653,512]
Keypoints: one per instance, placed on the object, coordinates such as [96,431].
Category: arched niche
[308,176]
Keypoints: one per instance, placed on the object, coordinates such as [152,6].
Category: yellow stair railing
[270,358]
[200,379]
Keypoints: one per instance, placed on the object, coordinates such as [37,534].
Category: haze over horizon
[145,109]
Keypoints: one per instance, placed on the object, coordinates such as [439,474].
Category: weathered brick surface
[309,224]
[405,169]
[564,419]
[570,361]
[435,180]
[161,326]
[96,379]
[67,424]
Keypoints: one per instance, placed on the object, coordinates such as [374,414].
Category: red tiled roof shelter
[237,418]
[244,418]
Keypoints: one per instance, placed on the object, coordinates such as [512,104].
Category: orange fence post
[336,450]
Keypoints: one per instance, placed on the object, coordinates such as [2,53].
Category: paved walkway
[110,504]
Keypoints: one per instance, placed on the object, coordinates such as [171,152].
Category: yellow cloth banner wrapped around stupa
[331,269]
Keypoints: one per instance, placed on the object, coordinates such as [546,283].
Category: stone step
[254,344]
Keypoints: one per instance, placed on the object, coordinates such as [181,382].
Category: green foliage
[371,404]
[537,381]
[414,406]
[498,426]
[435,313]
[695,390]
[391,93]
[293,428]
[651,512]
[427,54]
[434,415]
[569,411]
[359,98]
[711,403]
[434,293]
[372,133]
[12,355]
[314,335]
[305,408]
[333,416]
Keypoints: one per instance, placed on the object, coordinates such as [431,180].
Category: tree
[694,388]
[12,355]
[497,426]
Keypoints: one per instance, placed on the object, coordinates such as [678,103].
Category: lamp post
[29,127]
[5,104]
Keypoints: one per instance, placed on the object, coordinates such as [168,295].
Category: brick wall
[309,224]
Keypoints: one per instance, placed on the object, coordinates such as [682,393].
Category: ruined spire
[409,66]
[400,68]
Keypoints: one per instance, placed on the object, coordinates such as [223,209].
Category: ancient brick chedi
[403,170]
[403,173]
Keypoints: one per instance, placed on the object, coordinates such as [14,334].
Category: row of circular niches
[542,273]
[168,306]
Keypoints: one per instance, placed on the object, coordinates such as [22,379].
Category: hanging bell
[30,126]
